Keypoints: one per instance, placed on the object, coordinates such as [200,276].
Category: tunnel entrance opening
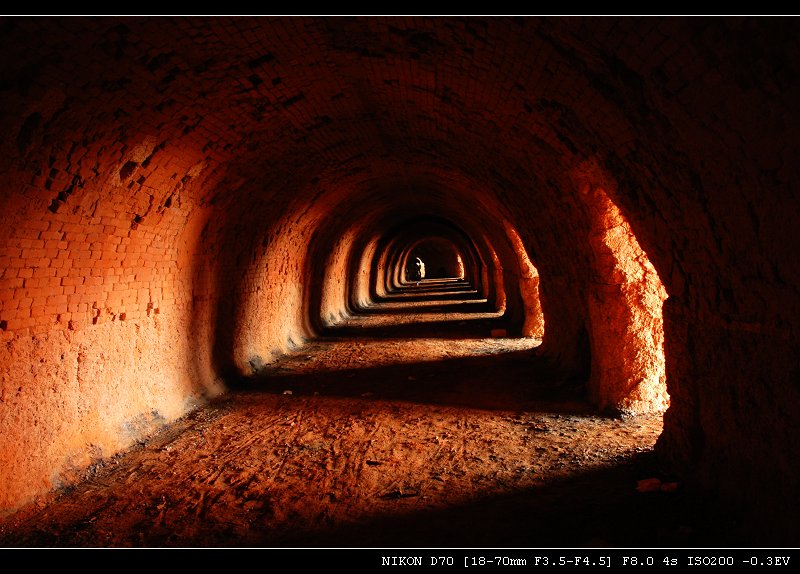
[439,258]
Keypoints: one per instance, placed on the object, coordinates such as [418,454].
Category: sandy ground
[396,429]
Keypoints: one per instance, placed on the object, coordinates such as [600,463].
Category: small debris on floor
[649,485]
[400,493]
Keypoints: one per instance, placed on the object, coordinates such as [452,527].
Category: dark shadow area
[460,328]
[437,284]
[490,382]
[414,293]
[416,297]
[401,301]
[448,298]
[438,306]
[404,293]
[597,508]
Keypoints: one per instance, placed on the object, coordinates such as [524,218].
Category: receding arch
[441,257]
[533,325]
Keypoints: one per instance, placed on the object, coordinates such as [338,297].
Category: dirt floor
[397,429]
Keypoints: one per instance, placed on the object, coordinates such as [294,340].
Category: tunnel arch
[534,323]
[407,236]
[441,258]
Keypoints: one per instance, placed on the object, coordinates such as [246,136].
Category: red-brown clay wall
[362,277]
[270,312]
[335,295]
[100,336]
[167,162]
[624,302]
[533,326]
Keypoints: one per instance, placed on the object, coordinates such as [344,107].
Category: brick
[6,284]
[50,236]
[38,311]
[44,271]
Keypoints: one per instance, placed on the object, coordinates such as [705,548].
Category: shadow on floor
[591,509]
[476,305]
[598,508]
[459,328]
[506,381]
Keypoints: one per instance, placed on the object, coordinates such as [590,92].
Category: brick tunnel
[215,331]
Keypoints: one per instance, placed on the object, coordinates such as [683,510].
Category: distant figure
[420,268]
